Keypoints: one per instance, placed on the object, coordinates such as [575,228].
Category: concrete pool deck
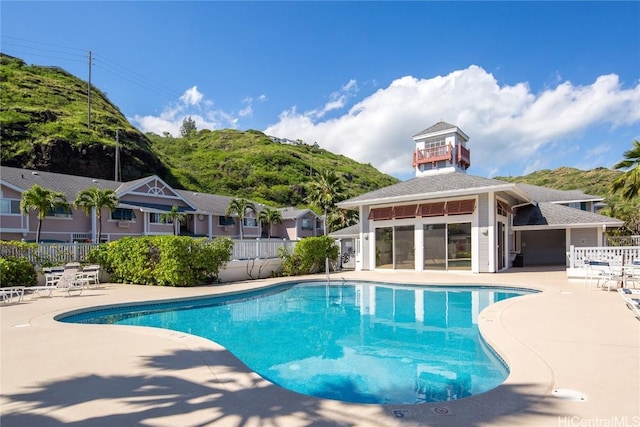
[583,343]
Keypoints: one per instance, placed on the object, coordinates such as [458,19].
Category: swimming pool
[359,342]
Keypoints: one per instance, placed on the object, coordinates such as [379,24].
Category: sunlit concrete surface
[574,356]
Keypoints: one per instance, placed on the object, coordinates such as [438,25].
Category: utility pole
[117,171]
[89,93]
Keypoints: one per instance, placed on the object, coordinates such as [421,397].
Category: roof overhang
[155,208]
[566,226]
[508,187]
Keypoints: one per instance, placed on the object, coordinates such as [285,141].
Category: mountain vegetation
[252,165]
[45,125]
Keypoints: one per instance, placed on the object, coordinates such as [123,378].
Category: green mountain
[254,165]
[44,125]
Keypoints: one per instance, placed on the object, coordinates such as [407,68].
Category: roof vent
[34,173]
[94,180]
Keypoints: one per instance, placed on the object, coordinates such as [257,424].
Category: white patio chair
[70,280]
[92,274]
[602,272]
[11,294]
[632,273]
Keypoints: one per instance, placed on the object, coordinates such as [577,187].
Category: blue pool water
[357,342]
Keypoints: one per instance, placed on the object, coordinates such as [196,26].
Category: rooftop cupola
[441,148]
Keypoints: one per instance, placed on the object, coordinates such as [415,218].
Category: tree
[94,198]
[325,191]
[240,208]
[341,218]
[42,200]
[270,216]
[629,182]
[188,126]
[175,217]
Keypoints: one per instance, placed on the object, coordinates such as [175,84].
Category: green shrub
[163,260]
[17,271]
[308,256]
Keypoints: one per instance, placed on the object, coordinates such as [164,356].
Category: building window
[578,205]
[433,143]
[384,247]
[307,224]
[447,246]
[120,214]
[250,222]
[60,212]
[156,218]
[9,206]
[459,246]
[224,221]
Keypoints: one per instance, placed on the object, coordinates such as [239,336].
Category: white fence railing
[260,248]
[577,257]
[62,253]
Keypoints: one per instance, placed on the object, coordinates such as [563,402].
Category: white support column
[418,239]
[94,225]
[491,226]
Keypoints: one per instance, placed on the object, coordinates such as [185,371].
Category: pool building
[447,219]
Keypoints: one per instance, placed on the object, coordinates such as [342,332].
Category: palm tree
[341,218]
[42,200]
[629,182]
[240,208]
[94,198]
[175,217]
[270,216]
[325,191]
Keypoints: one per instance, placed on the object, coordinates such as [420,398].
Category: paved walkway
[585,343]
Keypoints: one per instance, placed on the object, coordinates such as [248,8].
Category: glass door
[435,247]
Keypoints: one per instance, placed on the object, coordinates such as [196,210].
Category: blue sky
[535,85]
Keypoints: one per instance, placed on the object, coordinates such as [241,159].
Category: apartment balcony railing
[432,155]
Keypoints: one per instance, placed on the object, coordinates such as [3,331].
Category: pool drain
[567,394]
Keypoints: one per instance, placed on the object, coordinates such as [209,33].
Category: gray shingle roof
[292,213]
[352,230]
[69,185]
[430,186]
[553,214]
[543,194]
[211,203]
[438,127]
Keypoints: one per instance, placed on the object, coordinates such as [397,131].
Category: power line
[43,43]
[103,63]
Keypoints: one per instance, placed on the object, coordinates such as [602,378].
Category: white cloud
[246,111]
[510,127]
[191,96]
[192,104]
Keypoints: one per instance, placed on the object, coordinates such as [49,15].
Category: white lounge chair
[92,274]
[633,304]
[11,294]
[70,280]
[632,273]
